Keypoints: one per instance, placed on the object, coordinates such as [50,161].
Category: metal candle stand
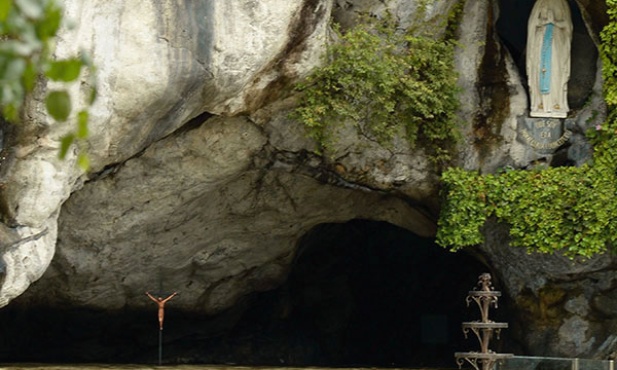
[484,328]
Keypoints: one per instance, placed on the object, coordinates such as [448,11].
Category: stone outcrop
[564,310]
[181,64]
[201,182]
[217,216]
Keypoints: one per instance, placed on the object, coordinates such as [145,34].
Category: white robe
[553,103]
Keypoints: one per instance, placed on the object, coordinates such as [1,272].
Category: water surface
[174,367]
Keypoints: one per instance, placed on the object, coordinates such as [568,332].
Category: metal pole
[611,365]
[575,364]
[160,347]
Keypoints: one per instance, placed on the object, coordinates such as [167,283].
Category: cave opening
[360,293]
[363,294]
[372,294]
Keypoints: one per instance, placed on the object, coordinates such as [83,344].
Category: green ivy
[386,84]
[27,32]
[608,52]
[558,209]
[571,210]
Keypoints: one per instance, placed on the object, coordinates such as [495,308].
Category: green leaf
[83,161]
[64,70]
[58,104]
[29,76]
[10,112]
[48,27]
[5,8]
[65,144]
[82,124]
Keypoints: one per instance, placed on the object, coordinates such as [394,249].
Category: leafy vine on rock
[571,210]
[385,83]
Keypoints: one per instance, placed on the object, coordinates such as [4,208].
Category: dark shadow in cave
[360,293]
[370,294]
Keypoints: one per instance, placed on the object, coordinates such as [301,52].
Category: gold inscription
[546,124]
[550,145]
[545,134]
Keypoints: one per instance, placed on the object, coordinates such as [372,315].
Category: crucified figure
[161,303]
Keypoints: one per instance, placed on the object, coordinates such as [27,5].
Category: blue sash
[545,60]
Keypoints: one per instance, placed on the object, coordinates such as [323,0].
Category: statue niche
[549,38]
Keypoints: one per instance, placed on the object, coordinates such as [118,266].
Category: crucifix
[160,301]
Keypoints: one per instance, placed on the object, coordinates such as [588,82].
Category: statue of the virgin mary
[549,36]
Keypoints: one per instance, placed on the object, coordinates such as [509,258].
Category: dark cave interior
[360,293]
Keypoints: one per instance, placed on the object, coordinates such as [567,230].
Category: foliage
[27,31]
[567,209]
[385,83]
[570,210]
[608,53]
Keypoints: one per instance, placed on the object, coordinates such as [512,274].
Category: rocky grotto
[201,183]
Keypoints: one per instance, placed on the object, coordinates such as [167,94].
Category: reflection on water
[174,367]
[129,367]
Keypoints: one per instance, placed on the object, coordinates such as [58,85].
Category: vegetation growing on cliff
[571,210]
[27,32]
[385,83]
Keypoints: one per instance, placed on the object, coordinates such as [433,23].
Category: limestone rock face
[565,305]
[202,183]
[185,59]
[159,65]
[206,221]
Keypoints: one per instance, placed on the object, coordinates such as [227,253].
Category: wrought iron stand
[483,329]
